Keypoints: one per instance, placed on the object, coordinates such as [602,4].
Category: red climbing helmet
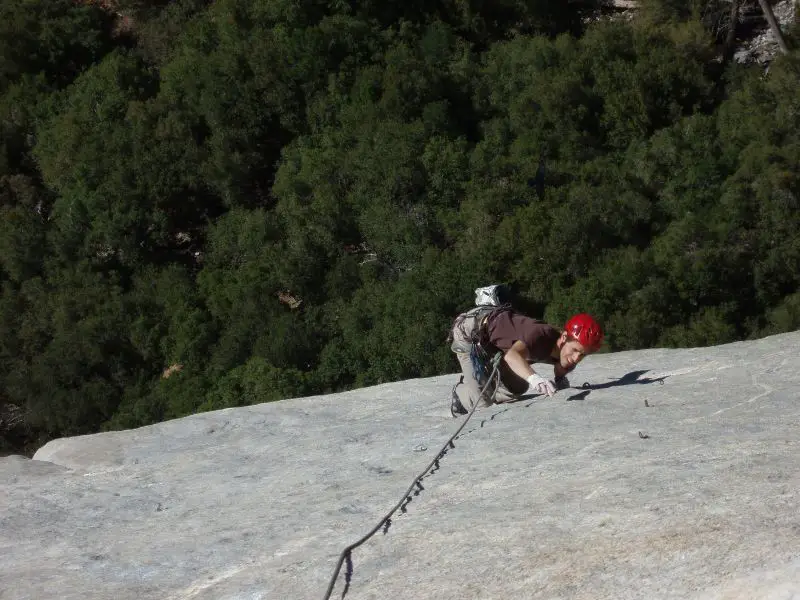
[586,330]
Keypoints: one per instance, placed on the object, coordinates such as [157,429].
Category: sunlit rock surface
[674,475]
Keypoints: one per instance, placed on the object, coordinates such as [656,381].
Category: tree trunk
[730,39]
[773,25]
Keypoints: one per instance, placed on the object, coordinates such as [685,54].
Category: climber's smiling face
[570,351]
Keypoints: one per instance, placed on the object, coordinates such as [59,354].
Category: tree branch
[773,25]
[730,38]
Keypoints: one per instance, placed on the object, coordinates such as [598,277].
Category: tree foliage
[205,205]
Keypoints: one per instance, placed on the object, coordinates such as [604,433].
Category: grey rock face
[673,475]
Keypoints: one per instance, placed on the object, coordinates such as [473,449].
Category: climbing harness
[385,522]
[481,366]
[472,326]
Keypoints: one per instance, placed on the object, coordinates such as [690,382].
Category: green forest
[214,204]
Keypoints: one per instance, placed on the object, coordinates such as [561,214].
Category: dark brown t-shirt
[507,327]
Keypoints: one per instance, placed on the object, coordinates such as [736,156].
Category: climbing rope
[386,520]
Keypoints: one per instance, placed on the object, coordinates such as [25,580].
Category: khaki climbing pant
[468,392]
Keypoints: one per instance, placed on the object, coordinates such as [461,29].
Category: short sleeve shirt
[507,327]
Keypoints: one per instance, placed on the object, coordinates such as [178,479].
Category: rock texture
[762,48]
[675,474]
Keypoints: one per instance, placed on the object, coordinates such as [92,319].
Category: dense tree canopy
[211,204]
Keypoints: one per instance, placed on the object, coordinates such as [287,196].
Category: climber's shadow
[632,378]
[579,396]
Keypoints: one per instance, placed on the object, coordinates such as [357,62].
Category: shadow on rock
[579,396]
[632,378]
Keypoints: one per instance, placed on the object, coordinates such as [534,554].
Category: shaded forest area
[208,205]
